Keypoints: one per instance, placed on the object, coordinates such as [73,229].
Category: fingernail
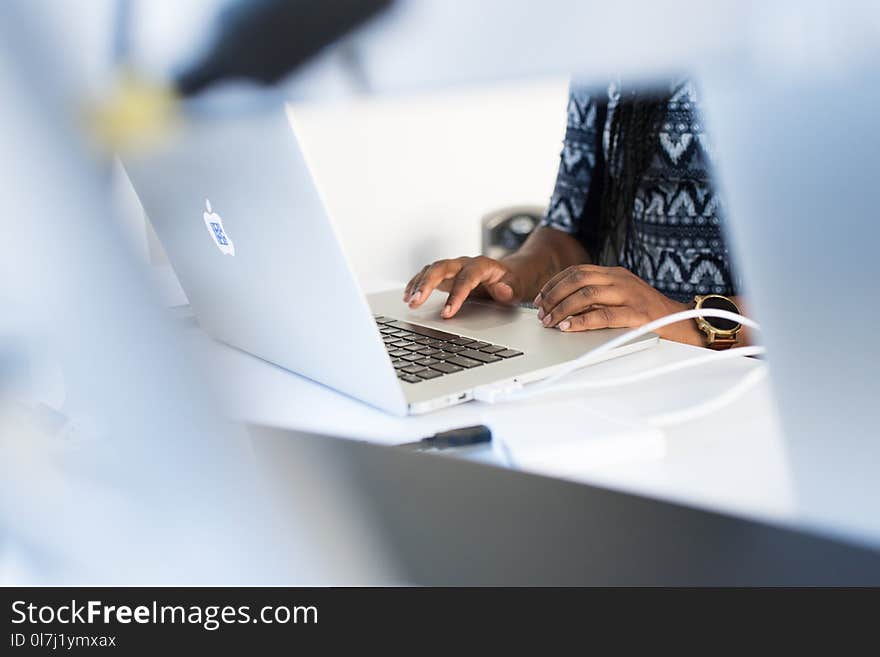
[541,313]
[537,300]
[546,321]
[416,296]
[565,325]
[447,311]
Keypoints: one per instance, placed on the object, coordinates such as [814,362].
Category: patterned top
[675,242]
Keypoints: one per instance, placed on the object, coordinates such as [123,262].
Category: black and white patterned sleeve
[578,173]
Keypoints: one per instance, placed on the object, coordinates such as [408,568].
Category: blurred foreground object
[136,115]
[264,40]
[128,470]
[258,41]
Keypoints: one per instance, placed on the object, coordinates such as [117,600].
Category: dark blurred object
[464,437]
[505,230]
[264,40]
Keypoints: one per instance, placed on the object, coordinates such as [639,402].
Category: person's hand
[461,277]
[586,297]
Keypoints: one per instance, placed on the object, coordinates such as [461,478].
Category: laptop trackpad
[477,315]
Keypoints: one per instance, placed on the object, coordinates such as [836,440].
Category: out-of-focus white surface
[797,154]
[432,43]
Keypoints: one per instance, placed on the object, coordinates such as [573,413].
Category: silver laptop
[234,204]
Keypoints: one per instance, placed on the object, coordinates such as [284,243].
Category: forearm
[545,253]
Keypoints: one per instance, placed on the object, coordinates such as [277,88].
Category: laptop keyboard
[419,353]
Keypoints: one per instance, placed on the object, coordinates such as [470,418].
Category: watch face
[720,303]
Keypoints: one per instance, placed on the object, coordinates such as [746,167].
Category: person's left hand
[587,297]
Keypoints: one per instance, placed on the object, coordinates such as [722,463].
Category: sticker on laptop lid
[214,224]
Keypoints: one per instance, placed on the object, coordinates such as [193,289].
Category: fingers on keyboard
[420,353]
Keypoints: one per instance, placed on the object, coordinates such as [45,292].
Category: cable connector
[461,437]
[494,392]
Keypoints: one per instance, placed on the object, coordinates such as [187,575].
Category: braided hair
[631,145]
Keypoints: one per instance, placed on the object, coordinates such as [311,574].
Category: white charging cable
[662,370]
[515,391]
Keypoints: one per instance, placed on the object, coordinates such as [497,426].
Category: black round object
[720,303]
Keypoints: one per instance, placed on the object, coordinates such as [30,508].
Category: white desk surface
[732,460]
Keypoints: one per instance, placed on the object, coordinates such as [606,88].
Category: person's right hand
[461,277]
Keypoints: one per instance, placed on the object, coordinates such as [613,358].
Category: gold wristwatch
[720,333]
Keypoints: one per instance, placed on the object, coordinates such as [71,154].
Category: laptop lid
[248,235]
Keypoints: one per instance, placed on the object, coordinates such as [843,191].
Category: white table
[732,460]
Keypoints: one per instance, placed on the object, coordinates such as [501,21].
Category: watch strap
[720,343]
